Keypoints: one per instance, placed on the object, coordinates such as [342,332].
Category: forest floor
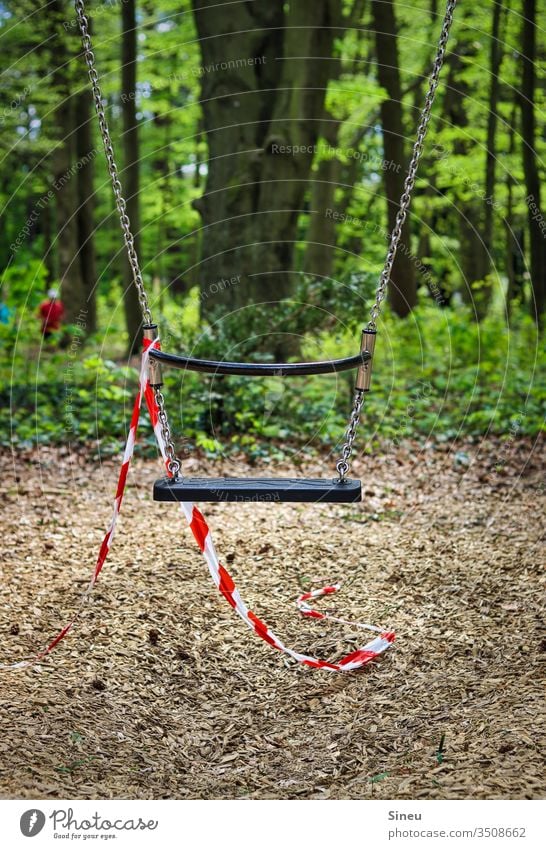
[161,692]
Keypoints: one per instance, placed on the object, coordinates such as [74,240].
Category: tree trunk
[261,115]
[65,183]
[325,178]
[50,245]
[474,257]
[495,59]
[515,235]
[131,171]
[536,218]
[321,233]
[86,202]
[402,288]
[430,219]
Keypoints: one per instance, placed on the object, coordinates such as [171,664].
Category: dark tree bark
[515,234]
[50,246]
[172,249]
[495,60]
[131,171]
[430,220]
[262,109]
[321,233]
[85,153]
[65,183]
[536,218]
[328,176]
[402,289]
[474,257]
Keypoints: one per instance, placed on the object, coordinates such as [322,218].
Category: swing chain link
[409,183]
[342,464]
[173,463]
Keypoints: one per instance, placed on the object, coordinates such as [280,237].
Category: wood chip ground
[161,691]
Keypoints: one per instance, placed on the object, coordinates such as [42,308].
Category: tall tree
[515,232]
[536,217]
[327,174]
[65,183]
[495,59]
[265,71]
[403,289]
[319,253]
[131,171]
[85,153]
[474,256]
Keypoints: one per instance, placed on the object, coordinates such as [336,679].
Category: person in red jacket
[51,313]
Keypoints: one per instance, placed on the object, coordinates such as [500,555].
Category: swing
[316,490]
[337,489]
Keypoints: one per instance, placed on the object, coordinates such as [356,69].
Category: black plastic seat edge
[260,369]
[267,490]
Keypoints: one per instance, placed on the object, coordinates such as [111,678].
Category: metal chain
[342,465]
[173,463]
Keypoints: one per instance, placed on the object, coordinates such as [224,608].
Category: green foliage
[437,376]
[66,398]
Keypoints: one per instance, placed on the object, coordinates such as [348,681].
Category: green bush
[436,375]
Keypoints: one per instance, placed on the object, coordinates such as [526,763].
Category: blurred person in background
[51,312]
[5,313]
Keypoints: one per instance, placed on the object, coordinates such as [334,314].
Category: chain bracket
[155,375]
[364,373]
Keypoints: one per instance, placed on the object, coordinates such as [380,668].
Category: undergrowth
[437,375]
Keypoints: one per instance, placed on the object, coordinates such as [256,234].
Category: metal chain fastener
[409,184]
[173,463]
[121,205]
[342,464]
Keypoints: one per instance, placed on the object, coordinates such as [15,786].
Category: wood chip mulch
[161,692]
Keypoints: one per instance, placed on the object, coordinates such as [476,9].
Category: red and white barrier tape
[226,586]
[219,574]
[109,536]
[306,610]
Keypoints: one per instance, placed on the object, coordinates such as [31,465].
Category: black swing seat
[217,367]
[267,490]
